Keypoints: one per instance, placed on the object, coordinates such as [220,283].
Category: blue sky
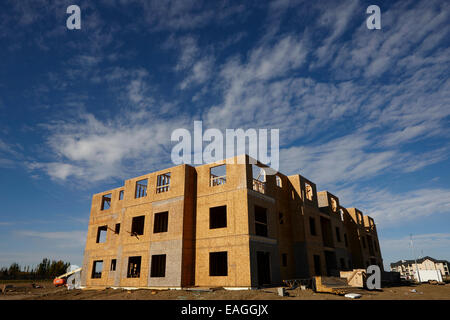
[362,113]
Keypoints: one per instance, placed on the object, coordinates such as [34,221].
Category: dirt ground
[25,291]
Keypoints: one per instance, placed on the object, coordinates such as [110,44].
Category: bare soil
[25,291]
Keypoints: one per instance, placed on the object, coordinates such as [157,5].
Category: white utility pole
[415,260]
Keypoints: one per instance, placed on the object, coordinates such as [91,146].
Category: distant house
[408,267]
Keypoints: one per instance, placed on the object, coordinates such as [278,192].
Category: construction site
[47,291]
[226,224]
[225,231]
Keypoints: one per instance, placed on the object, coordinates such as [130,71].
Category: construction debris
[353,295]
[200,289]
[356,278]
[331,285]
[294,283]
[281,291]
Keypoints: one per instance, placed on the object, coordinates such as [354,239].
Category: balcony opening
[338,234]
[134,267]
[359,217]
[343,267]
[106,201]
[309,193]
[371,223]
[218,217]
[334,205]
[261,221]
[280,218]
[317,266]
[278,181]
[158,266]
[312,226]
[263,267]
[161,222]
[101,234]
[259,179]
[137,226]
[327,235]
[141,188]
[163,183]
[121,193]
[218,175]
[97,268]
[331,264]
[284,260]
[218,264]
[113,265]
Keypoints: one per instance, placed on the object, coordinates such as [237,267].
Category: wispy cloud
[364,117]
[390,208]
[64,238]
[432,244]
[408,206]
[94,150]
[5,224]
[10,154]
[352,158]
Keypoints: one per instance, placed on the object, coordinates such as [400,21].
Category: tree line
[45,270]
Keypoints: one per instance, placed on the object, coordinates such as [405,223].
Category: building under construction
[222,224]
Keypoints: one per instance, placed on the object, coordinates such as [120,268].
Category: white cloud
[390,208]
[408,206]
[360,128]
[336,18]
[346,160]
[92,150]
[10,154]
[58,170]
[189,51]
[245,85]
[33,257]
[138,89]
[374,53]
[200,72]
[195,63]
[5,223]
[341,160]
[63,239]
[420,242]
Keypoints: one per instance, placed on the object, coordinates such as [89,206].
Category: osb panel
[238,261]
[237,219]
